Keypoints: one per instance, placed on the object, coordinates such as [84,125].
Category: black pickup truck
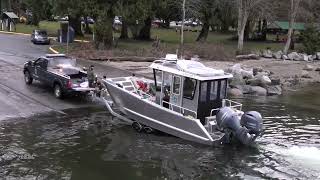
[59,72]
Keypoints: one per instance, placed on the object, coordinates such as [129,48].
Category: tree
[37,10]
[73,9]
[311,40]
[294,7]
[245,7]
[225,15]
[103,13]
[167,11]
[122,10]
[150,9]
[206,13]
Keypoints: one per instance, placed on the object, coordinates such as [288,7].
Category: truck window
[189,88]
[42,63]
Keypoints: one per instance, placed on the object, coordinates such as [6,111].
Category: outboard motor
[245,128]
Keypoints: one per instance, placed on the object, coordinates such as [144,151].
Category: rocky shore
[263,77]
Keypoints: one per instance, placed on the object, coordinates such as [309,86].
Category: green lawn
[51,26]
[170,41]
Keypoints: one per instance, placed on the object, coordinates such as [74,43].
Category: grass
[220,43]
[51,27]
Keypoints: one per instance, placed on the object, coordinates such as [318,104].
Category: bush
[311,40]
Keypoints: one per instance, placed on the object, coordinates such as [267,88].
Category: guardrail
[182,110]
[228,103]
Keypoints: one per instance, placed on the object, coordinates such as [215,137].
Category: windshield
[41,33]
[61,61]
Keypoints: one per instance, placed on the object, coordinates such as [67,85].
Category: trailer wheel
[58,91]
[27,78]
[148,130]
[137,126]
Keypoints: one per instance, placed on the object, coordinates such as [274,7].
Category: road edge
[24,34]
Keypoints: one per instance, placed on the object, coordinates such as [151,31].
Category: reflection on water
[90,144]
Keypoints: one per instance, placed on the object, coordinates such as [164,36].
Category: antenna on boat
[182,28]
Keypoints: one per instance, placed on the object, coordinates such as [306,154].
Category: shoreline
[290,73]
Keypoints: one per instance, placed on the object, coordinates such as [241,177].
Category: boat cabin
[189,87]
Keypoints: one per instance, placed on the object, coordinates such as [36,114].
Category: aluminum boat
[185,99]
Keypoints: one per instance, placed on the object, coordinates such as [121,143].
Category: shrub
[311,40]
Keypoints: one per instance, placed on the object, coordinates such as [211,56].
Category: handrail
[228,103]
[181,108]
[141,93]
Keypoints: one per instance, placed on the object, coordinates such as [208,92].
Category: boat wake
[309,156]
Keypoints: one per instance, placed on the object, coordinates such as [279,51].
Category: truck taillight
[69,84]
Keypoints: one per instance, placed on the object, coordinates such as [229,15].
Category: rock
[310,58]
[285,57]
[259,91]
[246,89]
[195,58]
[317,69]
[267,53]
[247,74]
[237,80]
[260,80]
[314,57]
[286,84]
[318,55]
[308,67]
[234,92]
[267,73]
[275,81]
[249,56]
[263,79]
[277,55]
[256,70]
[304,57]
[305,74]
[235,69]
[295,56]
[274,90]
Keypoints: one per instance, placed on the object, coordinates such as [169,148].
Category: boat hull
[153,115]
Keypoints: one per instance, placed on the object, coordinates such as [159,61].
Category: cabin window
[204,89]
[157,79]
[214,90]
[189,88]
[223,89]
[176,85]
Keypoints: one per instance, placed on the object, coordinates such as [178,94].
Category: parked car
[59,72]
[40,37]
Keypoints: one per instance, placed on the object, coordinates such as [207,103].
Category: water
[90,144]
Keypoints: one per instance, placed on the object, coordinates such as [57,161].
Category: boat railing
[144,94]
[182,110]
[228,103]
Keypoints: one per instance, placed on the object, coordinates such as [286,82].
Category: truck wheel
[27,78]
[58,91]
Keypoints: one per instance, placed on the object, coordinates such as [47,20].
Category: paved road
[20,100]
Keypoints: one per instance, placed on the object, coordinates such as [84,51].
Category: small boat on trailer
[188,101]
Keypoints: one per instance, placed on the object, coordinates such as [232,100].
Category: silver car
[40,37]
